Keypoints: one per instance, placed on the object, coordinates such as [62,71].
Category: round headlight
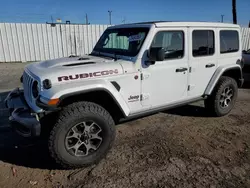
[35,89]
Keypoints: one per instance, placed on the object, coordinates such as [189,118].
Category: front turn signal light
[53,102]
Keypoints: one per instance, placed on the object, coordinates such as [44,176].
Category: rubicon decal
[87,75]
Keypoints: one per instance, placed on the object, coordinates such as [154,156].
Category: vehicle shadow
[246,75]
[16,150]
[246,69]
[189,110]
[246,85]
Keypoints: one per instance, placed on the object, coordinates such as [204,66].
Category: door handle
[181,69]
[210,65]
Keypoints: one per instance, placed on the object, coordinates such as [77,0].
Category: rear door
[202,58]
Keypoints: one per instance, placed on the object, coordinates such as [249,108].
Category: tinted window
[203,43]
[229,41]
[172,42]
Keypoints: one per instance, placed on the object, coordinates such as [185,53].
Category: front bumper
[22,120]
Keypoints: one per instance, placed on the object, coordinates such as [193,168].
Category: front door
[203,59]
[165,82]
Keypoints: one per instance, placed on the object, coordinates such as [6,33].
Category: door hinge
[190,69]
[144,76]
[190,87]
[144,96]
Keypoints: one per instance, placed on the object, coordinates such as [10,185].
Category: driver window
[172,42]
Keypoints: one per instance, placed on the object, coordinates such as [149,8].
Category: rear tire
[223,97]
[82,135]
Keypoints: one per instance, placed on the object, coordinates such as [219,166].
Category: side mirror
[244,51]
[156,54]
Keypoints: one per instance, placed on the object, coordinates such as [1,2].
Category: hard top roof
[178,24]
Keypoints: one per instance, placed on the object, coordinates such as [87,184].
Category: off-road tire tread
[212,101]
[73,110]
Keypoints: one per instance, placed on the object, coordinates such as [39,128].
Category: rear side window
[203,42]
[229,41]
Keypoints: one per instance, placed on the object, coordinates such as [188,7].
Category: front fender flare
[67,90]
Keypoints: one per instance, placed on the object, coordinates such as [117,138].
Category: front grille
[27,86]
[28,80]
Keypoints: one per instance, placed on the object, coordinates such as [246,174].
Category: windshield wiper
[99,54]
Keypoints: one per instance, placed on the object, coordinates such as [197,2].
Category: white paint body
[158,85]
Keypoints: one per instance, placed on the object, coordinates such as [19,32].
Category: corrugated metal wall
[35,42]
[245,33]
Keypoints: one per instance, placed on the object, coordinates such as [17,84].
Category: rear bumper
[22,120]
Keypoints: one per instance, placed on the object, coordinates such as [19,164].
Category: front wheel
[223,98]
[82,135]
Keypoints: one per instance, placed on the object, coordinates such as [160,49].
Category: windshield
[122,41]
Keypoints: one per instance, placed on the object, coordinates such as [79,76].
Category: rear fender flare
[218,73]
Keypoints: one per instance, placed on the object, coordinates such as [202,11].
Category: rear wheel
[82,136]
[223,98]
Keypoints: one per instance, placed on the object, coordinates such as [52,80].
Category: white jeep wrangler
[134,70]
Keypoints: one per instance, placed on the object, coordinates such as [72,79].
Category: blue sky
[132,10]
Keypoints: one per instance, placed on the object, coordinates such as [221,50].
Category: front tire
[223,98]
[82,135]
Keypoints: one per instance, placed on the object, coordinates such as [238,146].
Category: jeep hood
[58,70]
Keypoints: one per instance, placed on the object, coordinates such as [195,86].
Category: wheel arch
[107,101]
[233,71]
